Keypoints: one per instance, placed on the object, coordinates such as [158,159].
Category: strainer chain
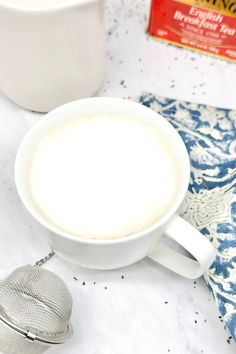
[45,259]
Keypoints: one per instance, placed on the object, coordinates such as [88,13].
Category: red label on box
[185,24]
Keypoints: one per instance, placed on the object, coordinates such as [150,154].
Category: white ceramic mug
[51,53]
[115,253]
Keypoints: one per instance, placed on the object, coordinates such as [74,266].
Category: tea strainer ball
[35,311]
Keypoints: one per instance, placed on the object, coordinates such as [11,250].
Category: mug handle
[194,242]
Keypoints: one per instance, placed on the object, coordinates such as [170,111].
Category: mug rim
[110,241]
[46,8]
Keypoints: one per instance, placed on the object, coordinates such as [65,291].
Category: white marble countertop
[124,315]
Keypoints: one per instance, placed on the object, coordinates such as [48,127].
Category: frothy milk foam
[103,177]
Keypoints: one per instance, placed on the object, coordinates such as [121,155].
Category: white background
[130,316]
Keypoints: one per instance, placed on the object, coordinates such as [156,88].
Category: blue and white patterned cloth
[210,136]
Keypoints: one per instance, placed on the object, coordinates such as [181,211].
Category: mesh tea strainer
[35,310]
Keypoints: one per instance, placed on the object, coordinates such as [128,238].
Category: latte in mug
[103,177]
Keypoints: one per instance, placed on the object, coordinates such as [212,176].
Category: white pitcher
[51,51]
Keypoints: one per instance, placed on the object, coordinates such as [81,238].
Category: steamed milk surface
[103,177]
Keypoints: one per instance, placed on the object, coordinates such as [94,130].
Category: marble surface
[143,308]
